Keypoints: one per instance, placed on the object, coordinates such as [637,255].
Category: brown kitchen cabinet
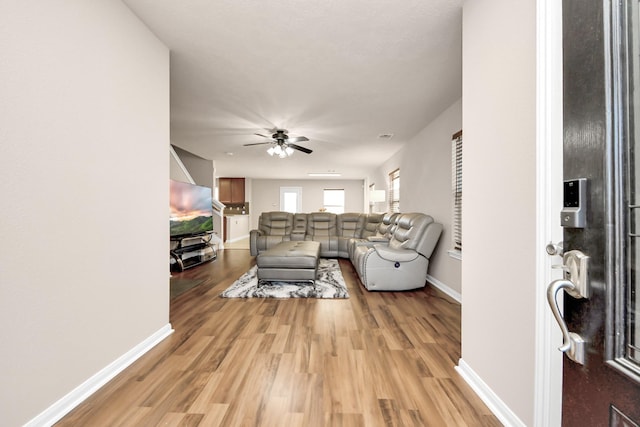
[231,190]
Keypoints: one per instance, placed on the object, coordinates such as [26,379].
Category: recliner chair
[381,234]
[350,225]
[322,227]
[273,228]
[402,263]
[371,224]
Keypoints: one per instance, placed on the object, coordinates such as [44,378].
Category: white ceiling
[340,72]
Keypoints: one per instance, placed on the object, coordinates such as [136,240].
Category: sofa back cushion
[410,231]
[276,223]
[388,224]
[371,223]
[321,224]
[350,224]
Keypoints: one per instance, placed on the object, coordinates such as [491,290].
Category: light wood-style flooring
[375,359]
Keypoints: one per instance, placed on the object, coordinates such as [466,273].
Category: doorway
[291,199]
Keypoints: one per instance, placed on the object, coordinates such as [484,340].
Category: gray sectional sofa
[390,252]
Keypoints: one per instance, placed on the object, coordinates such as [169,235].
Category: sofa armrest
[399,255]
[253,241]
[377,239]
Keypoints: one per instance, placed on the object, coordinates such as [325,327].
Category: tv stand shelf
[187,252]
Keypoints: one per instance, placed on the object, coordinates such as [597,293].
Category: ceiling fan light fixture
[281,145]
[280,151]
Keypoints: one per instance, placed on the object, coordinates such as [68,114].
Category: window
[456,187]
[334,200]
[394,191]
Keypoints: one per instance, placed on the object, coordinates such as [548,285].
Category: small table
[289,262]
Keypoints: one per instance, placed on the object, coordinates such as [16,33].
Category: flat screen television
[191,211]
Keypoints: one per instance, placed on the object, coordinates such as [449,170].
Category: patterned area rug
[329,284]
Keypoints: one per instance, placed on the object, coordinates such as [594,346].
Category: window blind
[456,185]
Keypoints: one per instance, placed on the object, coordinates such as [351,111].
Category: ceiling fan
[283,146]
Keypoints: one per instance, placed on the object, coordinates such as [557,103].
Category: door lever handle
[572,344]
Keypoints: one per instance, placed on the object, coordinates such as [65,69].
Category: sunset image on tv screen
[191,212]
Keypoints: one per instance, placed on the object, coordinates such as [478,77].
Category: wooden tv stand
[187,252]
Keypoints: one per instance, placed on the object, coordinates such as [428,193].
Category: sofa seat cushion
[399,255]
[271,241]
[328,245]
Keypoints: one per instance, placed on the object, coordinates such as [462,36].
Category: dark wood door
[224,190]
[600,61]
[237,190]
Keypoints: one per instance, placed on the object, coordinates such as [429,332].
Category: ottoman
[289,262]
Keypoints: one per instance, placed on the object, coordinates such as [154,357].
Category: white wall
[200,169]
[425,185]
[265,196]
[499,198]
[84,135]
[176,172]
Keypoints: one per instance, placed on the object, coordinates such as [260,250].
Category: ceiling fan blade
[299,148]
[264,136]
[298,139]
[258,143]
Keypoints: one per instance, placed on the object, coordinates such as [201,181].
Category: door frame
[549,139]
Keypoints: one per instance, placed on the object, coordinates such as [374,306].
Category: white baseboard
[63,406]
[444,288]
[495,404]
